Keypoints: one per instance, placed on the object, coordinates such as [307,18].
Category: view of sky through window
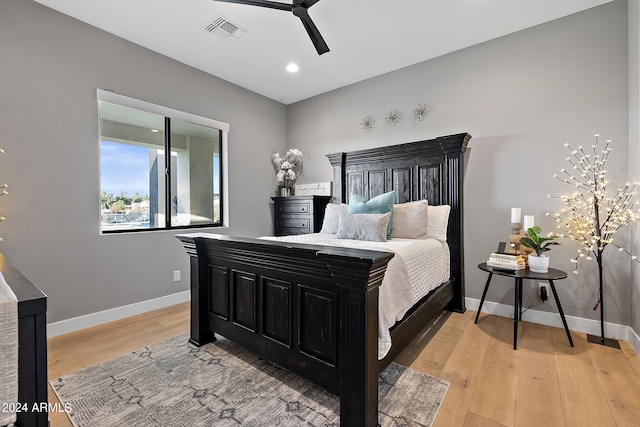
[124,168]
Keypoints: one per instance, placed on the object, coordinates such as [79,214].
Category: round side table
[519,275]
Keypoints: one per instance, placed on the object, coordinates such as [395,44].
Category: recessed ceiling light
[155,130]
[293,68]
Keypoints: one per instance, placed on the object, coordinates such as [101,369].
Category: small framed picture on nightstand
[317,189]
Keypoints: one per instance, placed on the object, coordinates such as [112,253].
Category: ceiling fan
[299,9]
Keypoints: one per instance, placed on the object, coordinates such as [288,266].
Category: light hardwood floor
[544,383]
[77,350]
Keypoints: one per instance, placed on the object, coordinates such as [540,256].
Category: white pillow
[410,220]
[372,227]
[332,217]
[437,220]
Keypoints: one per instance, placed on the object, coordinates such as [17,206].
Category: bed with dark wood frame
[314,309]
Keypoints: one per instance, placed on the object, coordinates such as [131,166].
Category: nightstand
[519,275]
[299,214]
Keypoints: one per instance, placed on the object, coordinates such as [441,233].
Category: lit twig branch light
[3,191]
[591,216]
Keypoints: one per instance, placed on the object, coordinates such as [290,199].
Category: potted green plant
[538,263]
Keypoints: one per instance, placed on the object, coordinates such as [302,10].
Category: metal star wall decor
[393,117]
[368,123]
[420,112]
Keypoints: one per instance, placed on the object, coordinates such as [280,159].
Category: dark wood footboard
[310,309]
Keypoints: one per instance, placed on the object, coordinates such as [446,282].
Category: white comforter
[418,267]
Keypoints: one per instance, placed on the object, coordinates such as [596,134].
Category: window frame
[168,114]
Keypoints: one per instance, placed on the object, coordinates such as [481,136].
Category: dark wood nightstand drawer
[299,214]
[293,223]
[293,208]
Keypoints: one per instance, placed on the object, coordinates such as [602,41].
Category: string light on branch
[593,214]
[3,191]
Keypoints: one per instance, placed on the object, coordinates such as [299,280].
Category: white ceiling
[366,37]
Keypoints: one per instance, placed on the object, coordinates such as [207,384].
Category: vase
[538,264]
[285,191]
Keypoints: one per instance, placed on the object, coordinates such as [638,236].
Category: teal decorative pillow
[378,205]
[371,227]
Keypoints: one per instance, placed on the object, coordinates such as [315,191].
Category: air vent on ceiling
[225,29]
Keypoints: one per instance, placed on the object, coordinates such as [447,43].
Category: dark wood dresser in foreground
[32,341]
[299,214]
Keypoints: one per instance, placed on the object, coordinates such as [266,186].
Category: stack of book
[506,261]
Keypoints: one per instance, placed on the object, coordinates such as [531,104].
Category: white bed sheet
[418,267]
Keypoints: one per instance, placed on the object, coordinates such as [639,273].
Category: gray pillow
[437,222]
[380,204]
[410,220]
[372,227]
[332,217]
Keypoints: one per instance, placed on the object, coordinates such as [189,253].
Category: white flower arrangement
[288,167]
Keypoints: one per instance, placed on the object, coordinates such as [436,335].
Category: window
[159,168]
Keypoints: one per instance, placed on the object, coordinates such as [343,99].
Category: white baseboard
[580,324]
[634,340]
[95,319]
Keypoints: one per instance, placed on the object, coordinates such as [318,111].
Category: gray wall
[634,147]
[51,67]
[521,97]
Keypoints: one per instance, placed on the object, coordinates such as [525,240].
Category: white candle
[515,215]
[528,222]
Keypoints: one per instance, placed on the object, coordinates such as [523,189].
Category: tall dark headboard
[430,170]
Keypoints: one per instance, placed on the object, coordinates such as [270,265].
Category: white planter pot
[538,264]
[285,191]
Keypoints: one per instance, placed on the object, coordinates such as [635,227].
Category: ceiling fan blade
[299,9]
[308,3]
[262,3]
[312,30]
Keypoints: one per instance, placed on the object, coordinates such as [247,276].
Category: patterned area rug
[174,383]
